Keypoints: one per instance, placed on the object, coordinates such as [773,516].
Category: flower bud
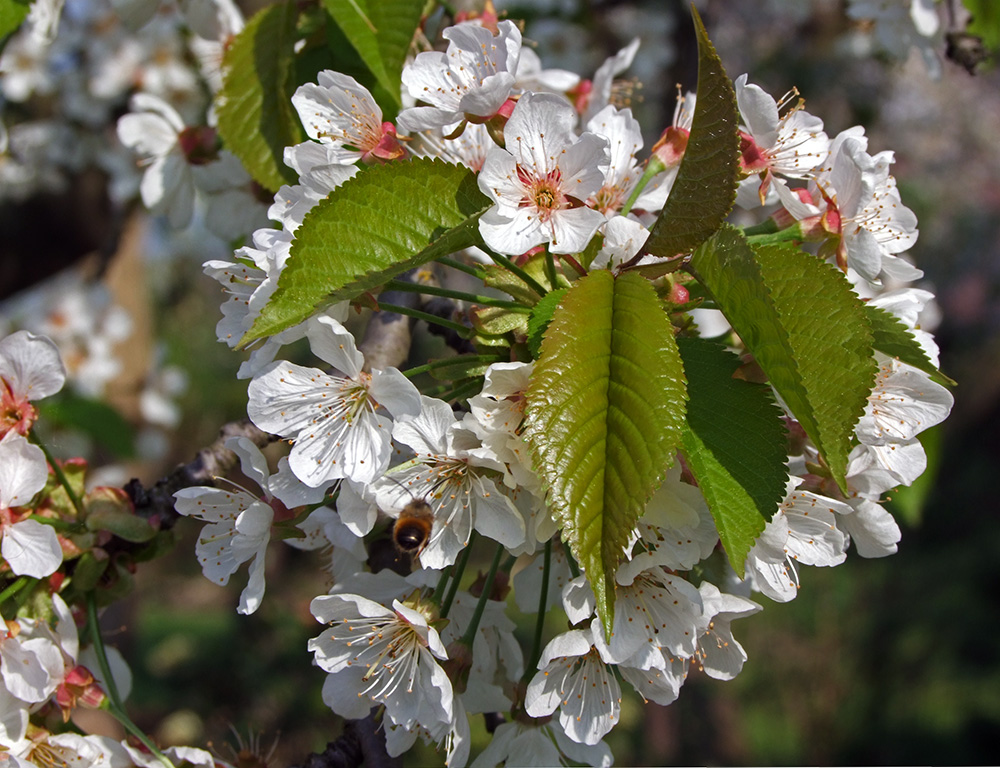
[671,145]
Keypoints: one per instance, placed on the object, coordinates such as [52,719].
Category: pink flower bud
[671,145]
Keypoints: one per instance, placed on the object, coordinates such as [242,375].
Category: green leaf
[497,326]
[541,316]
[109,509]
[502,279]
[381,32]
[379,224]
[894,339]
[734,444]
[12,14]
[705,189]
[256,117]
[985,21]
[87,572]
[806,328]
[604,414]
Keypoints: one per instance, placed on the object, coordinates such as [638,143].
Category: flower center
[543,193]
[15,413]
[610,197]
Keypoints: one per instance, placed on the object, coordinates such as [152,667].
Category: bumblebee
[412,529]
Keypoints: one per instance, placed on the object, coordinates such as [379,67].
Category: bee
[412,529]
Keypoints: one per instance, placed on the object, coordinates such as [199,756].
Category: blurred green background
[887,661]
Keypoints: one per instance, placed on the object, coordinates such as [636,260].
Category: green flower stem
[550,269]
[653,167]
[528,280]
[132,728]
[536,648]
[431,290]
[458,393]
[792,234]
[59,525]
[14,588]
[470,632]
[468,269]
[456,576]
[439,391]
[102,657]
[115,703]
[766,227]
[438,595]
[411,372]
[462,330]
[60,476]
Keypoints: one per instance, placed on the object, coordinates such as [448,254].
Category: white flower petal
[31,549]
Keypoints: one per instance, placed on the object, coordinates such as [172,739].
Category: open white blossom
[381,656]
[792,144]
[544,745]
[239,525]
[153,129]
[471,80]
[456,482]
[538,183]
[30,369]
[903,403]
[340,112]
[336,422]
[574,677]
[29,547]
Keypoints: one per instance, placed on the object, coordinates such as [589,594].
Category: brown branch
[362,742]
[211,462]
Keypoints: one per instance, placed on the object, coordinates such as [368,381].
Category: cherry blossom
[381,656]
[594,95]
[336,422]
[903,403]
[239,524]
[574,677]
[340,112]
[718,653]
[539,181]
[29,547]
[469,81]
[454,479]
[30,369]
[791,145]
[544,744]
[154,129]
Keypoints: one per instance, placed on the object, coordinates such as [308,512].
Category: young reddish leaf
[604,414]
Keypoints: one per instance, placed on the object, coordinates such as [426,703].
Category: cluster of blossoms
[373,459]
[560,165]
[44,669]
[69,72]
